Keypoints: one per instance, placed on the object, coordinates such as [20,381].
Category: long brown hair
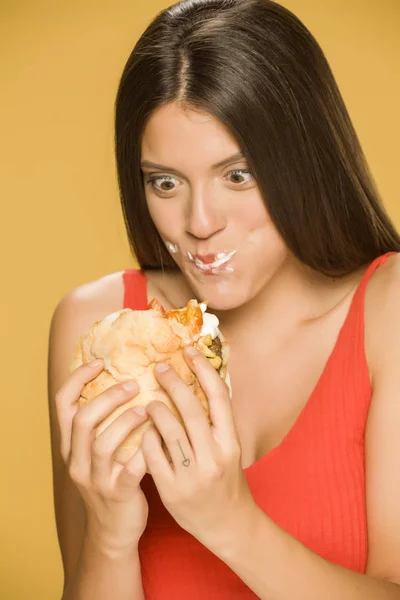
[255,67]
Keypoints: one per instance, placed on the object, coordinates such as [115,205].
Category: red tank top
[312,484]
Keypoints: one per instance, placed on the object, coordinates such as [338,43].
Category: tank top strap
[357,304]
[135,294]
[353,327]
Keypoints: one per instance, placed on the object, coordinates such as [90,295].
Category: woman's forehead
[174,137]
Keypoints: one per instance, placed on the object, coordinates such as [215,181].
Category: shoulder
[382,315]
[105,295]
[385,280]
[89,302]
[382,441]
[73,316]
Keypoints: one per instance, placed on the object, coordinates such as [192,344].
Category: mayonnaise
[210,323]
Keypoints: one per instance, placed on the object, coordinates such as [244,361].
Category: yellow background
[61,225]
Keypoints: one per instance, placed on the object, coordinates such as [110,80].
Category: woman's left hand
[204,488]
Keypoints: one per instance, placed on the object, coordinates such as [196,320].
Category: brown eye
[167,186]
[167,183]
[238,176]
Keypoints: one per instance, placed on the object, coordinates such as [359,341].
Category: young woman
[242,183]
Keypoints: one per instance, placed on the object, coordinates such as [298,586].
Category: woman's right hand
[116,507]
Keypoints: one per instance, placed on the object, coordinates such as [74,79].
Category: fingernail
[130,386]
[95,363]
[191,351]
[140,410]
[162,367]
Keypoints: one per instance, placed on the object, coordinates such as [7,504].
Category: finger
[156,461]
[133,472]
[173,435]
[104,446]
[217,393]
[66,401]
[196,425]
[89,417]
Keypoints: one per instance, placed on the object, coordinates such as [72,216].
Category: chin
[221,294]
[222,304]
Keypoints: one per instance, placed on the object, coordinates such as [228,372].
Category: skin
[204,210]
[207,210]
[214,210]
[279,317]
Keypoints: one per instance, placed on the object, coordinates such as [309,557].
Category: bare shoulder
[382,441]
[105,294]
[73,316]
[385,281]
[90,302]
[382,314]
[102,296]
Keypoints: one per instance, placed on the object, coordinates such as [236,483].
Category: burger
[132,342]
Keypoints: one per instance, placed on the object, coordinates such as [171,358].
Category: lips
[205,258]
[209,262]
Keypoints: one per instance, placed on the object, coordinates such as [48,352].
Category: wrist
[237,533]
[103,542]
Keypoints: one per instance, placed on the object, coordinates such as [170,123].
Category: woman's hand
[115,504]
[204,488]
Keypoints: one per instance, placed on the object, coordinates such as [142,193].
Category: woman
[242,182]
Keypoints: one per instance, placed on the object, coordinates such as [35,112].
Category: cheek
[253,217]
[166,217]
[262,235]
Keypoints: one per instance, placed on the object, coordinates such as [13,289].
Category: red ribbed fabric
[312,485]
[135,286]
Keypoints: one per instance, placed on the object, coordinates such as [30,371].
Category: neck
[294,295]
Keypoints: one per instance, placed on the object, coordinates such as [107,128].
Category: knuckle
[235,452]
[102,487]
[215,472]
[99,450]
[75,474]
[81,419]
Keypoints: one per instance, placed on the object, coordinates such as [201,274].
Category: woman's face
[207,207]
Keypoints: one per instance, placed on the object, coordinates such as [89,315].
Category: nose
[204,217]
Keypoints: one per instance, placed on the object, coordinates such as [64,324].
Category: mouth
[211,263]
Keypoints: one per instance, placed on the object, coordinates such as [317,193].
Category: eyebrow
[231,159]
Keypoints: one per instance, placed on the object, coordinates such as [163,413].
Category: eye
[169,183]
[240,173]
[164,178]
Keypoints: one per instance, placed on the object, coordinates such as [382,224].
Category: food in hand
[132,342]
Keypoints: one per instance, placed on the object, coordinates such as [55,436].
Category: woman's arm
[275,565]
[104,573]
[91,568]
